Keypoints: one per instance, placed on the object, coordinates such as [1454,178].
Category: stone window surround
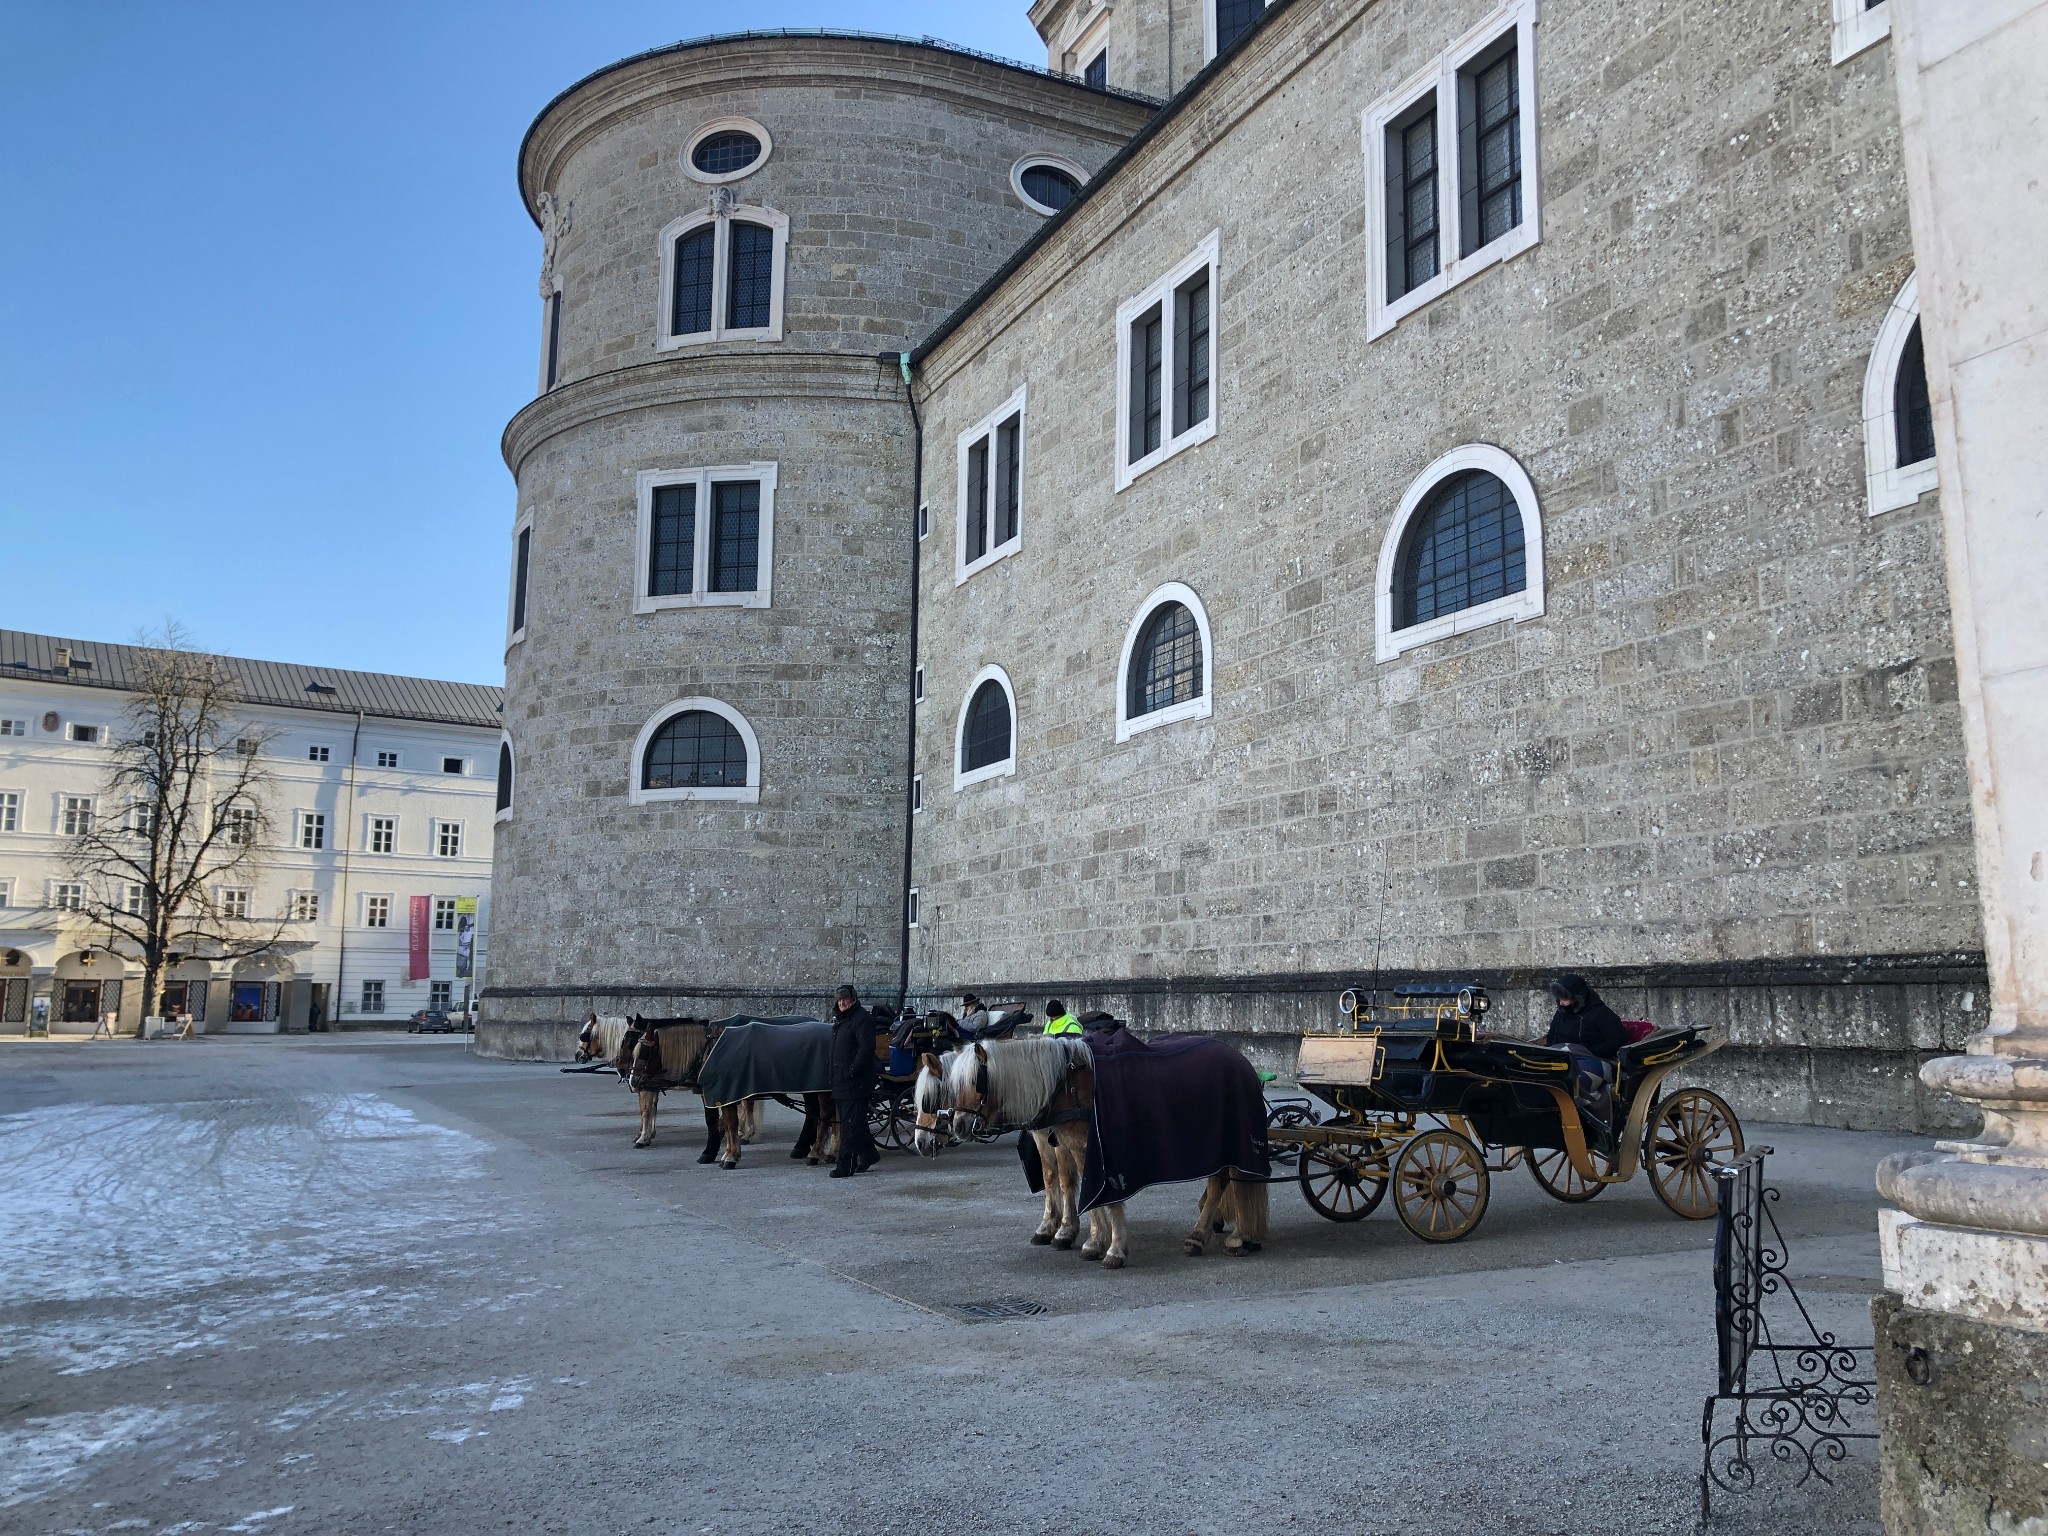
[917,794]
[1440,77]
[996,770]
[1090,37]
[1198,708]
[645,485]
[748,793]
[1209,28]
[1160,292]
[986,428]
[512,753]
[1857,29]
[724,125]
[1053,162]
[911,904]
[721,212]
[1891,485]
[522,524]
[1516,606]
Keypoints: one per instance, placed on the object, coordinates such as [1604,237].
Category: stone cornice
[823,61]
[771,373]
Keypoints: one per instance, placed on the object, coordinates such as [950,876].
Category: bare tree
[171,861]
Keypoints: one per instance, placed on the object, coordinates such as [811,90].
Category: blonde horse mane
[1023,1075]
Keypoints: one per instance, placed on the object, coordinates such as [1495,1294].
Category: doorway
[81,1002]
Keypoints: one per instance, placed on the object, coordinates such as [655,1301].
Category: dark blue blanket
[754,1056]
[1174,1108]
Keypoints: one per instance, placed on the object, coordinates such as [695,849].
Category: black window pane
[690,312]
[720,154]
[1146,336]
[1234,19]
[1912,411]
[977,499]
[520,565]
[1166,667]
[695,750]
[1009,478]
[988,728]
[753,276]
[1097,73]
[1465,549]
[1411,205]
[672,541]
[1191,354]
[736,536]
[1049,186]
[554,337]
[504,776]
[1490,144]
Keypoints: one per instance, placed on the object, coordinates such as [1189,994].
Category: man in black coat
[854,1070]
[1592,1032]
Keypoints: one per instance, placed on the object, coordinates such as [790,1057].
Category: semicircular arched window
[695,750]
[1166,663]
[504,775]
[986,740]
[722,153]
[1048,186]
[1464,549]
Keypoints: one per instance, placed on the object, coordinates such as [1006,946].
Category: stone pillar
[1962,1333]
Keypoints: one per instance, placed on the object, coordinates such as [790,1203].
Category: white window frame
[912,903]
[6,891]
[445,990]
[550,331]
[67,895]
[1198,708]
[512,752]
[302,906]
[986,428]
[997,770]
[1207,254]
[99,737]
[133,896]
[917,684]
[441,905]
[723,125]
[1441,79]
[9,726]
[319,752]
[65,806]
[1857,29]
[1209,28]
[917,794]
[363,1009]
[748,793]
[369,906]
[10,810]
[233,901]
[1514,608]
[301,820]
[396,761]
[467,770]
[237,826]
[721,258]
[513,636]
[370,834]
[441,824]
[1051,162]
[1891,485]
[924,521]
[645,485]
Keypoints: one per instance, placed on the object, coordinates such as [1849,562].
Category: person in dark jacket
[853,1082]
[1592,1032]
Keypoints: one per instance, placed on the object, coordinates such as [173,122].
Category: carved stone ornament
[723,201]
[555,221]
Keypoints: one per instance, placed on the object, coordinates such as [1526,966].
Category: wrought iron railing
[1799,1410]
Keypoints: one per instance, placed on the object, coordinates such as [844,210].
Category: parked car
[433,1021]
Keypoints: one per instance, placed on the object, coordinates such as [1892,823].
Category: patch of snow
[44,1454]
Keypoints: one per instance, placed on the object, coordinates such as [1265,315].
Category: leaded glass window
[690,309]
[504,775]
[1147,337]
[988,728]
[1008,487]
[1191,353]
[977,500]
[735,535]
[672,541]
[1464,549]
[1412,258]
[722,153]
[751,285]
[1490,152]
[1912,411]
[1234,18]
[695,750]
[520,565]
[1166,664]
[1049,186]
[1096,76]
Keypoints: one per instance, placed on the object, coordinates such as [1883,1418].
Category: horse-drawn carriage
[1430,1106]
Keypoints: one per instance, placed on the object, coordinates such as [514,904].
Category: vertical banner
[465,937]
[420,965]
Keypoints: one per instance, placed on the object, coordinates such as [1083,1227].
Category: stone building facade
[1699,740]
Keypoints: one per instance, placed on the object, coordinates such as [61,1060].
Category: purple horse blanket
[1166,1110]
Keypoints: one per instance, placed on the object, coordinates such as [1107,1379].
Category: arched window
[696,749]
[505,777]
[1164,674]
[722,275]
[1898,418]
[1465,549]
[987,741]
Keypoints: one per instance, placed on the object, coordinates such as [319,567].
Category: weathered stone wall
[1732,737]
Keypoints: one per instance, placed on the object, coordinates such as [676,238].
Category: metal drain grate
[1000,1310]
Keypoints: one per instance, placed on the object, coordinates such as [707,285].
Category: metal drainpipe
[348,843]
[902,360]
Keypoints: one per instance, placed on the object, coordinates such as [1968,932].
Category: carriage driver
[1591,1031]
[974,1018]
[853,1082]
[1058,1021]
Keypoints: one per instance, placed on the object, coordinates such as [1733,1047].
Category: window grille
[1465,549]
[440,995]
[383,834]
[1049,186]
[722,153]
[1912,410]
[1234,18]
[1146,337]
[1096,76]
[977,500]
[520,564]
[988,728]
[504,776]
[1007,482]
[554,337]
[672,541]
[750,288]
[690,304]
[1490,152]
[1166,665]
[735,535]
[1191,354]
[1411,203]
[695,750]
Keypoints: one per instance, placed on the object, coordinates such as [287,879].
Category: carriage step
[1000,1310]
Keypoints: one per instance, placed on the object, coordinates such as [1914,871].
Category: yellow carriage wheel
[1556,1177]
[1691,1132]
[1343,1183]
[1440,1186]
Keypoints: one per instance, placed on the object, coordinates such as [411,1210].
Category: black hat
[1054,1007]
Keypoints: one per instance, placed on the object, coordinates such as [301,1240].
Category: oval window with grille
[1047,186]
[726,151]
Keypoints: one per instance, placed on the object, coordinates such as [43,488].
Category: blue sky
[269,300]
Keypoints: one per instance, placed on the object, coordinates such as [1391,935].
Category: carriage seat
[1649,1044]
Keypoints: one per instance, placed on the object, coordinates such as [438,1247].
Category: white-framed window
[248,746]
[142,819]
[1898,417]
[1166,673]
[917,685]
[911,912]
[696,749]
[722,274]
[13,727]
[376,911]
[68,896]
[448,839]
[1225,21]
[1046,183]
[318,753]
[84,733]
[551,338]
[726,149]
[373,997]
[1166,364]
[382,834]
[989,522]
[1858,24]
[916,793]
[502,806]
[440,995]
[10,810]
[387,759]
[706,538]
[233,901]
[304,906]
[74,814]
[455,765]
[7,892]
[522,575]
[238,826]
[985,740]
[1450,168]
[444,914]
[312,829]
[924,521]
[1465,549]
[133,897]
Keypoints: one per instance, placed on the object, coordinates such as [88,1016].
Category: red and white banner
[420,966]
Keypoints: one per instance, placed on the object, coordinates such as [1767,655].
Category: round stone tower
[707,666]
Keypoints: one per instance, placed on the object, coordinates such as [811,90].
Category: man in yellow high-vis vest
[1058,1021]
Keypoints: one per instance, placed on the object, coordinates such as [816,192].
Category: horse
[656,1055]
[1046,1085]
[600,1037]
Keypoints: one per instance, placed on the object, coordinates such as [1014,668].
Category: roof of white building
[280,684]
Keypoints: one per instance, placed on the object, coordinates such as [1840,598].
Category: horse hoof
[708,1157]
[1040,1239]
[724,1164]
[1092,1258]
[1113,1261]
[1063,1242]
[1243,1250]
[1193,1249]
